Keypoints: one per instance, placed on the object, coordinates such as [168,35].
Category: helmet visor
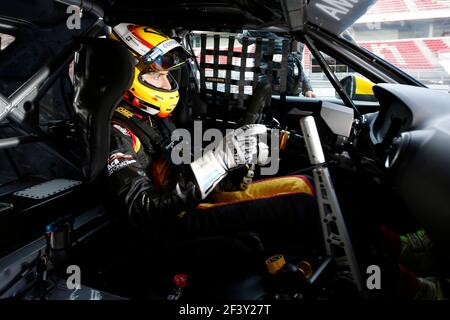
[167,55]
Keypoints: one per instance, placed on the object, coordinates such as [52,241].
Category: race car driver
[171,204]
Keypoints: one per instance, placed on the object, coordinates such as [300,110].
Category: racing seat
[103,71]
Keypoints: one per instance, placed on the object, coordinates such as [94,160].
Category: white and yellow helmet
[154,52]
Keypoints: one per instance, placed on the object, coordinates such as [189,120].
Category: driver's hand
[239,147]
[310,94]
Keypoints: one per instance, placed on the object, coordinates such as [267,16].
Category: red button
[180,280]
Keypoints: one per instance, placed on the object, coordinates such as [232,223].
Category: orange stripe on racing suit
[262,189]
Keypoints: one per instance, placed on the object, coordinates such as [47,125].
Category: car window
[319,82]
[413,35]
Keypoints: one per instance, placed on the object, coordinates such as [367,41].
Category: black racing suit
[162,201]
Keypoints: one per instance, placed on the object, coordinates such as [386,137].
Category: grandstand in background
[413,35]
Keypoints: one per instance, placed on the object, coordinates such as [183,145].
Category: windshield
[413,35]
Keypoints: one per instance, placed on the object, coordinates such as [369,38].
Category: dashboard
[412,128]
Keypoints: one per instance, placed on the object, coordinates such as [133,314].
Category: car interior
[376,161]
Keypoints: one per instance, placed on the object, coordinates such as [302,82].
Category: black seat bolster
[103,71]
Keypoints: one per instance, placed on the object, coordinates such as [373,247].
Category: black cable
[325,164]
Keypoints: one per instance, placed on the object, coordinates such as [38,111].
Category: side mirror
[358,88]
